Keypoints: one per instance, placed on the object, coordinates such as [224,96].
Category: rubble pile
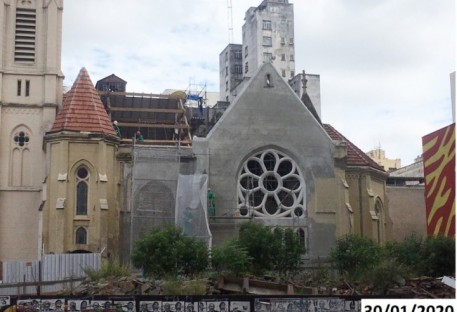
[126,285]
[423,287]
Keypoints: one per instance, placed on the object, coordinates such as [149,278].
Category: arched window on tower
[82,190]
[20,166]
[81,236]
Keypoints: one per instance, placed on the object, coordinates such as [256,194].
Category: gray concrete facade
[313,88]
[268,116]
[268,37]
[230,70]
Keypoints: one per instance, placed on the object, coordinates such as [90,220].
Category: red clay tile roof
[356,157]
[82,109]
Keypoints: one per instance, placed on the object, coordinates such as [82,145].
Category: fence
[53,273]
[219,303]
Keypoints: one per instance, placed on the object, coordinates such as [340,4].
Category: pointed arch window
[378,212]
[21,159]
[82,191]
[81,236]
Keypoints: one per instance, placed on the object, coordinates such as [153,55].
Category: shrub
[269,250]
[406,252]
[290,250]
[230,258]
[385,274]
[170,252]
[438,256]
[108,268]
[354,254]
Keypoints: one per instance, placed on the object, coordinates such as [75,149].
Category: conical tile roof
[82,109]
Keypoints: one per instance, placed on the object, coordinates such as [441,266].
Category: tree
[230,258]
[406,252]
[438,256]
[278,250]
[170,252]
[354,254]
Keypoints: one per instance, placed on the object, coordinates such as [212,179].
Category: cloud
[384,65]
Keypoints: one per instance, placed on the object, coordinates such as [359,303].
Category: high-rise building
[268,37]
[231,70]
[30,93]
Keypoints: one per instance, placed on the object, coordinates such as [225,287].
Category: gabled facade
[270,161]
[30,93]
[111,83]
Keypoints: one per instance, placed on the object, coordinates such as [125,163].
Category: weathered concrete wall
[281,32]
[366,190]
[407,211]
[154,177]
[271,117]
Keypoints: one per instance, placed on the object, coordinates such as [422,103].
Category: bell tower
[30,94]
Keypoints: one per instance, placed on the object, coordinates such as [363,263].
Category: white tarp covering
[191,206]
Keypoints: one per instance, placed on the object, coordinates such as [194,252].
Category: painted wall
[439,171]
[407,211]
[68,152]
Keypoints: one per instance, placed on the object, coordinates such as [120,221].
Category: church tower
[81,212]
[30,93]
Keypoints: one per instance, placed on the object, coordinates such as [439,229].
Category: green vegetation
[354,254]
[175,287]
[362,260]
[437,256]
[170,252]
[230,258]
[108,268]
[278,250]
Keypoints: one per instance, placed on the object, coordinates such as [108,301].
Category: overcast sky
[384,65]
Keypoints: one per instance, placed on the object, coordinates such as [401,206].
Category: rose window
[270,184]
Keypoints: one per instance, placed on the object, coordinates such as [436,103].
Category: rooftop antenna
[230,20]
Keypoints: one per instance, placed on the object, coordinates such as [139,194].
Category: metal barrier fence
[55,272]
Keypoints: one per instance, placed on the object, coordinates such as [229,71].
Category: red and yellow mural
[439,171]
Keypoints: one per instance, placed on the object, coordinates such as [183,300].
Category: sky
[384,65]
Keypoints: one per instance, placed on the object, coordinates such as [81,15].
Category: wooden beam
[147,125]
[135,94]
[159,142]
[148,110]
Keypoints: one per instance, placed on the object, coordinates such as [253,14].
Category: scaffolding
[161,119]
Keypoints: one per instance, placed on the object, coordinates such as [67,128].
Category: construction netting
[191,206]
[164,192]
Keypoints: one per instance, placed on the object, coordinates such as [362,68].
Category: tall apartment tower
[231,70]
[268,37]
[30,93]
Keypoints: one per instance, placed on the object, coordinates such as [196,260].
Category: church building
[71,183]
